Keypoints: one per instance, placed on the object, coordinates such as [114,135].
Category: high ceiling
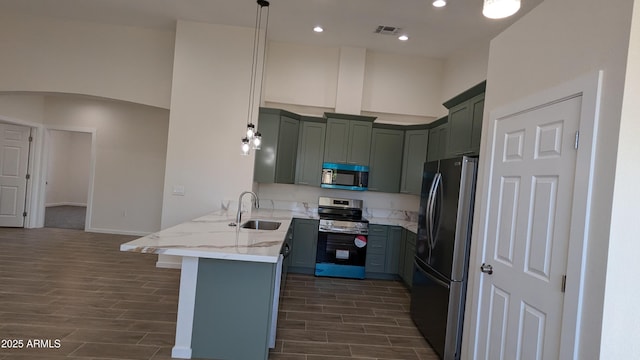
[433,32]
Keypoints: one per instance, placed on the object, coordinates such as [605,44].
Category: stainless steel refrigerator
[442,252]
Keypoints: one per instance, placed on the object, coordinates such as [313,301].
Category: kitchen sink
[261,225]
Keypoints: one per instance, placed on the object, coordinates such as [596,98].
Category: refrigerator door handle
[431,277]
[434,228]
[437,221]
[429,215]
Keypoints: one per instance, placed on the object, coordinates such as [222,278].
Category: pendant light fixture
[499,9]
[253,138]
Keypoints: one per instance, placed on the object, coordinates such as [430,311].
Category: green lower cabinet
[395,247]
[304,246]
[232,312]
[383,249]
[409,252]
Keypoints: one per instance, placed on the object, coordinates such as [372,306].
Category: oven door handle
[338,231]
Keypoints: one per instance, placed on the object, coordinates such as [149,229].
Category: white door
[14,159]
[527,233]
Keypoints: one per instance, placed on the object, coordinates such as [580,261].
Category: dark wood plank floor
[77,290]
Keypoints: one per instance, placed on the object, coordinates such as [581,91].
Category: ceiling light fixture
[318,29]
[499,9]
[253,138]
[439,3]
[403,38]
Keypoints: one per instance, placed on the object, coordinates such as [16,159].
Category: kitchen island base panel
[233,309]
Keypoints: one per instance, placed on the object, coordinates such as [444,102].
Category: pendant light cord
[264,48]
[254,60]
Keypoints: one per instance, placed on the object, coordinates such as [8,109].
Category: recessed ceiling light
[439,3]
[318,29]
[403,38]
[498,9]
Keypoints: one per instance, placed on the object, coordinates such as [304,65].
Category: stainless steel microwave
[345,176]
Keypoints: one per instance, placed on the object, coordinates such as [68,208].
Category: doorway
[67,179]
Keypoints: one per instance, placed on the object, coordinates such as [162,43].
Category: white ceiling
[433,32]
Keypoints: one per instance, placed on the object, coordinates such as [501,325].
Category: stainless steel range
[342,238]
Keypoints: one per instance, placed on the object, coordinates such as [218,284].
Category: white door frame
[45,166]
[589,86]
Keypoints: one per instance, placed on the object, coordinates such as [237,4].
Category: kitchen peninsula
[229,283]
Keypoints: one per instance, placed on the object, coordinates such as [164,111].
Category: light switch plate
[178,190]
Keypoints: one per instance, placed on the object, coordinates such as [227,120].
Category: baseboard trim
[65,204]
[117,232]
[181,352]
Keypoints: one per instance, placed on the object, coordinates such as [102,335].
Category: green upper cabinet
[359,147]
[385,163]
[348,139]
[415,154]
[336,141]
[276,161]
[465,121]
[477,112]
[310,151]
[438,137]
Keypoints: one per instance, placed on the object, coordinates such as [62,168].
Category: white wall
[559,41]
[131,142]
[68,168]
[350,80]
[464,69]
[22,107]
[209,103]
[395,84]
[302,75]
[621,317]
[119,62]
[403,84]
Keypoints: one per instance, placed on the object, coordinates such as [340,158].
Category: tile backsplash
[305,198]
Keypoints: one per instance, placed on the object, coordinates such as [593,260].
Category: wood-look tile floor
[77,290]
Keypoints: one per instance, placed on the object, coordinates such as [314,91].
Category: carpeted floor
[65,217]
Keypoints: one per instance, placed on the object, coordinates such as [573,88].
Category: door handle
[486,268]
[437,200]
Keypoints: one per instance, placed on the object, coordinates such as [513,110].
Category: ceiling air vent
[387,30]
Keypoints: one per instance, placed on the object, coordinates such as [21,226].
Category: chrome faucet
[255,201]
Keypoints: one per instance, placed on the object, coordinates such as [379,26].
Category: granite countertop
[210,236]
